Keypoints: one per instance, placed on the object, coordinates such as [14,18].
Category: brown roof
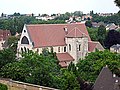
[4,34]
[76,33]
[64,57]
[106,81]
[44,35]
[91,45]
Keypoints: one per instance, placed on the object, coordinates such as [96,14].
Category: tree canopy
[90,67]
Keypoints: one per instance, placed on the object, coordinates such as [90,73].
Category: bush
[3,87]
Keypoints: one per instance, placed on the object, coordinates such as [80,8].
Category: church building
[71,42]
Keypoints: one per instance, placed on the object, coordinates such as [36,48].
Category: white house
[70,41]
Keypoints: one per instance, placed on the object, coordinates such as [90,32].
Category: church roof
[44,35]
[76,33]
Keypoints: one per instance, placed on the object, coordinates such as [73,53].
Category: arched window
[58,49]
[64,49]
[22,50]
[79,47]
[24,40]
[25,49]
[69,47]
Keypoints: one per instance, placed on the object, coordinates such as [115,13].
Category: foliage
[12,43]
[69,81]
[6,56]
[3,87]
[88,23]
[112,38]
[93,33]
[101,34]
[117,2]
[90,67]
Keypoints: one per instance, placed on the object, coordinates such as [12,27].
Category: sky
[57,6]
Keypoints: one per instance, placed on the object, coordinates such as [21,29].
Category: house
[115,48]
[4,34]
[111,27]
[70,41]
[107,81]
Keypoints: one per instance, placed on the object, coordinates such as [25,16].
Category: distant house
[107,81]
[115,48]
[4,34]
[111,27]
[96,25]
[70,41]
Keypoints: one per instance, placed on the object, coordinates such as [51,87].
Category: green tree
[90,67]
[117,2]
[6,56]
[3,87]
[88,23]
[101,34]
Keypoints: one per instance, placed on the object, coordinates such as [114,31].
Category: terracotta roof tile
[44,35]
[75,33]
[64,57]
[91,45]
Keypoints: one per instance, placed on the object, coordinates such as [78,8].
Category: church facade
[71,42]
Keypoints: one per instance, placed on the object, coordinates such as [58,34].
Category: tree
[88,23]
[101,34]
[112,38]
[3,87]
[117,2]
[90,67]
[6,56]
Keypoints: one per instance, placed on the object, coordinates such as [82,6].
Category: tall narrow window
[58,49]
[64,49]
[79,47]
[22,50]
[25,49]
[69,47]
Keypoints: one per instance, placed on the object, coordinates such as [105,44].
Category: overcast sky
[57,6]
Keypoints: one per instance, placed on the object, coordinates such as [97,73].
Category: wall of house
[23,46]
[79,47]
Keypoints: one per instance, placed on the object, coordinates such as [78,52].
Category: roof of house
[54,34]
[106,81]
[116,47]
[92,45]
[4,34]
[76,33]
[62,57]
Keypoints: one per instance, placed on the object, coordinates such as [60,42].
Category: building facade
[71,42]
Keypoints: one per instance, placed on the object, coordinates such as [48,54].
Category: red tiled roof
[64,57]
[91,45]
[75,33]
[62,64]
[44,35]
[4,34]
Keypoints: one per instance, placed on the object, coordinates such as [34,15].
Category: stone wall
[16,85]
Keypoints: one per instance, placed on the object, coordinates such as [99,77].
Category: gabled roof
[106,81]
[44,35]
[76,33]
[92,45]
